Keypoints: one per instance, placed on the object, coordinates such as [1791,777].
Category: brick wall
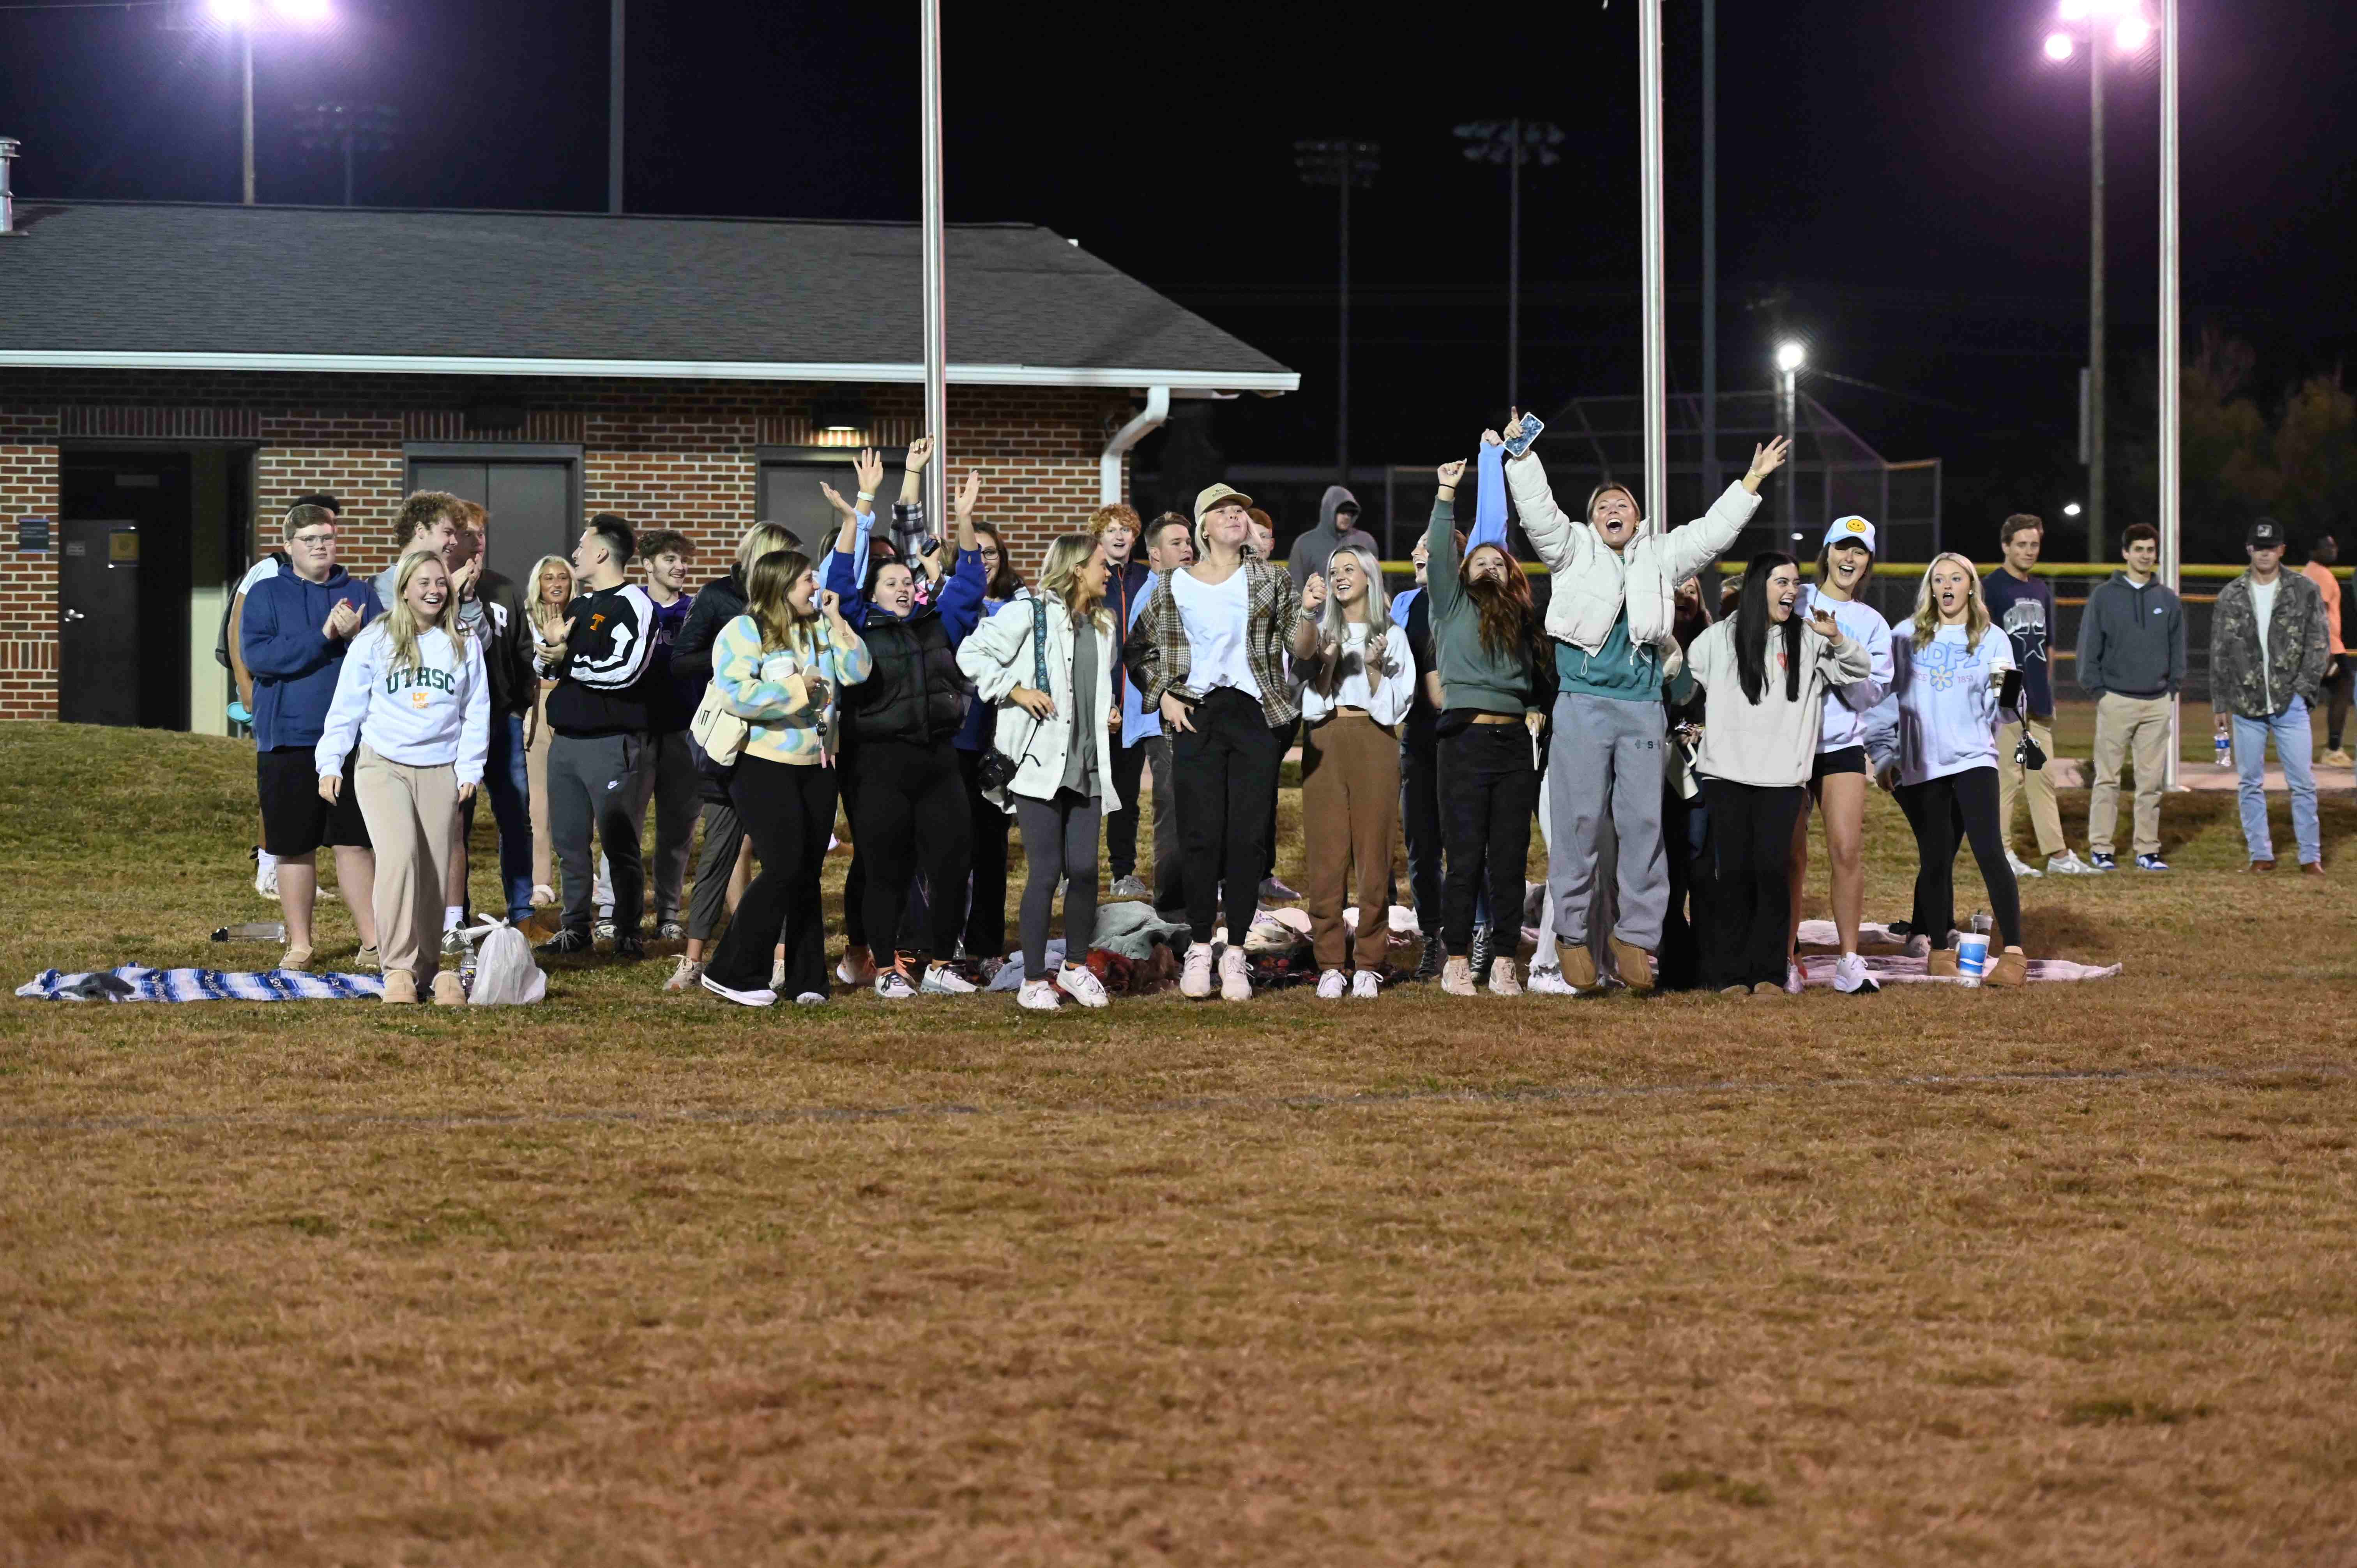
[664,453]
[28,588]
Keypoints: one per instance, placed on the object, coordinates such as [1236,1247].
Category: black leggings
[1752,861]
[789,810]
[1936,809]
[1226,769]
[909,811]
[1488,789]
[1693,887]
[986,916]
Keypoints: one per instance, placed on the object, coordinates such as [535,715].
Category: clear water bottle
[2226,742]
[252,931]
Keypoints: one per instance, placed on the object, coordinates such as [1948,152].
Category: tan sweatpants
[1350,813]
[411,814]
[2133,729]
[2013,780]
[535,768]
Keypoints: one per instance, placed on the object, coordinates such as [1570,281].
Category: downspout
[1148,419]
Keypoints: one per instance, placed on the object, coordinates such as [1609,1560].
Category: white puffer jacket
[997,656]
[1592,580]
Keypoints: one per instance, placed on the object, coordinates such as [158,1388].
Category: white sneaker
[1082,986]
[2022,869]
[1547,980]
[1501,978]
[893,986]
[1366,986]
[1235,976]
[1331,984]
[1793,987]
[761,998]
[1040,995]
[1456,976]
[940,979]
[1850,977]
[2068,864]
[777,972]
[1128,889]
[689,971]
[265,876]
[1195,975]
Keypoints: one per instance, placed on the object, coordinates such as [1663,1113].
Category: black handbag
[997,769]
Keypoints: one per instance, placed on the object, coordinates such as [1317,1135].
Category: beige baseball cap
[1218,496]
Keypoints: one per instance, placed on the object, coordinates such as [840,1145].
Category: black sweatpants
[1934,809]
[1286,735]
[1420,828]
[1693,887]
[910,811]
[1489,788]
[789,810]
[1751,858]
[1226,769]
[1121,827]
[985,915]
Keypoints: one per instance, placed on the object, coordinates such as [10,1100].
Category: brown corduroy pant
[412,814]
[1349,814]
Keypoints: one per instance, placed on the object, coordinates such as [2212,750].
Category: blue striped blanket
[136,982]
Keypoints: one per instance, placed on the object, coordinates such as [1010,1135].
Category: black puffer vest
[916,693]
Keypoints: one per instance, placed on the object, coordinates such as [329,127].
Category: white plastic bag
[505,973]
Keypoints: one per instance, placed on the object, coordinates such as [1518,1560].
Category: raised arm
[1440,577]
[1552,532]
[1697,544]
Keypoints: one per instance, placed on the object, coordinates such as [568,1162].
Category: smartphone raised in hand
[1520,442]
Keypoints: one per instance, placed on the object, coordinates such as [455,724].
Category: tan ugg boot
[1634,964]
[400,986]
[1578,965]
[449,990]
[2010,969]
[1941,963]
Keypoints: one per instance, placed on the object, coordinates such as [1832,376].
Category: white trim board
[675,370]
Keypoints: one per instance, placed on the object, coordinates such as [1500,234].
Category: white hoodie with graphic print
[436,716]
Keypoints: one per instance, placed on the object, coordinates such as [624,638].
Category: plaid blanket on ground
[136,982]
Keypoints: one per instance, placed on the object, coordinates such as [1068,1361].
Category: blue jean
[510,792]
[2295,741]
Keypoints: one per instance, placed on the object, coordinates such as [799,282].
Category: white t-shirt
[1847,706]
[1216,619]
[2263,607]
[1947,701]
[262,571]
[1385,697]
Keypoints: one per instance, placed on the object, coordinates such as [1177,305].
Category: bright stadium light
[1791,358]
[231,13]
[2059,47]
[2133,35]
[2071,509]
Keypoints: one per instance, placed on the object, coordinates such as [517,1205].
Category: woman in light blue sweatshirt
[1950,661]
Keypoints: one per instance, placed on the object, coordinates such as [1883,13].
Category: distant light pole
[2172,356]
[244,16]
[348,128]
[1513,143]
[2084,22]
[1789,358]
[1343,165]
[613,33]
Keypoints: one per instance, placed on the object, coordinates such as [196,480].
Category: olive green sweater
[1470,677]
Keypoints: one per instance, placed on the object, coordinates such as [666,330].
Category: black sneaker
[670,931]
[1483,941]
[564,944]
[1427,968]
[604,930]
[629,950]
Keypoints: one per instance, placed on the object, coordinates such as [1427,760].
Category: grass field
[1939,1276]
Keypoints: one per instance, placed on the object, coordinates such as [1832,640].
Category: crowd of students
[1672,743]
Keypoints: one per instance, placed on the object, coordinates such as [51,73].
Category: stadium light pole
[1513,143]
[1344,165]
[244,16]
[937,364]
[1655,289]
[2171,360]
[1789,358]
[614,34]
[2084,21]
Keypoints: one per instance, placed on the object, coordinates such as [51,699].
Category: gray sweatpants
[724,835]
[1604,771]
[590,791]
[1059,844]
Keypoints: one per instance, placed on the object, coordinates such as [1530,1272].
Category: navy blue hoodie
[295,664]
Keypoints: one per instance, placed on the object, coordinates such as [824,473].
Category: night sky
[1905,186]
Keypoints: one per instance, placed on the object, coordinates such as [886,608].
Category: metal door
[789,497]
[530,503]
[98,615]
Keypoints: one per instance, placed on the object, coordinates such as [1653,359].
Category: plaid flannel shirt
[1159,659]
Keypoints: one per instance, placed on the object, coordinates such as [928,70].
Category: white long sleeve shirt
[1947,699]
[1771,742]
[1847,706]
[1385,695]
[437,714]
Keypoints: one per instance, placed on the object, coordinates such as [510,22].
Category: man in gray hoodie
[1338,525]
[2131,661]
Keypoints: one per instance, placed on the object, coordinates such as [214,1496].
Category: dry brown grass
[1934,1277]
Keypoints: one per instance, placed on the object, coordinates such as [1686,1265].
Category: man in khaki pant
[2132,658]
[2023,606]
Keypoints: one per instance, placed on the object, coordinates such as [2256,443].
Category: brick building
[172,376]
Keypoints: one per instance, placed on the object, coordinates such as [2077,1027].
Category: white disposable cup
[1971,957]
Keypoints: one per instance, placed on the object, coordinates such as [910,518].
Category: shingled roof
[169,285]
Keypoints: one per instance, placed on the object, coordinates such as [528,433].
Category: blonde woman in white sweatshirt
[417,701]
[1058,734]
